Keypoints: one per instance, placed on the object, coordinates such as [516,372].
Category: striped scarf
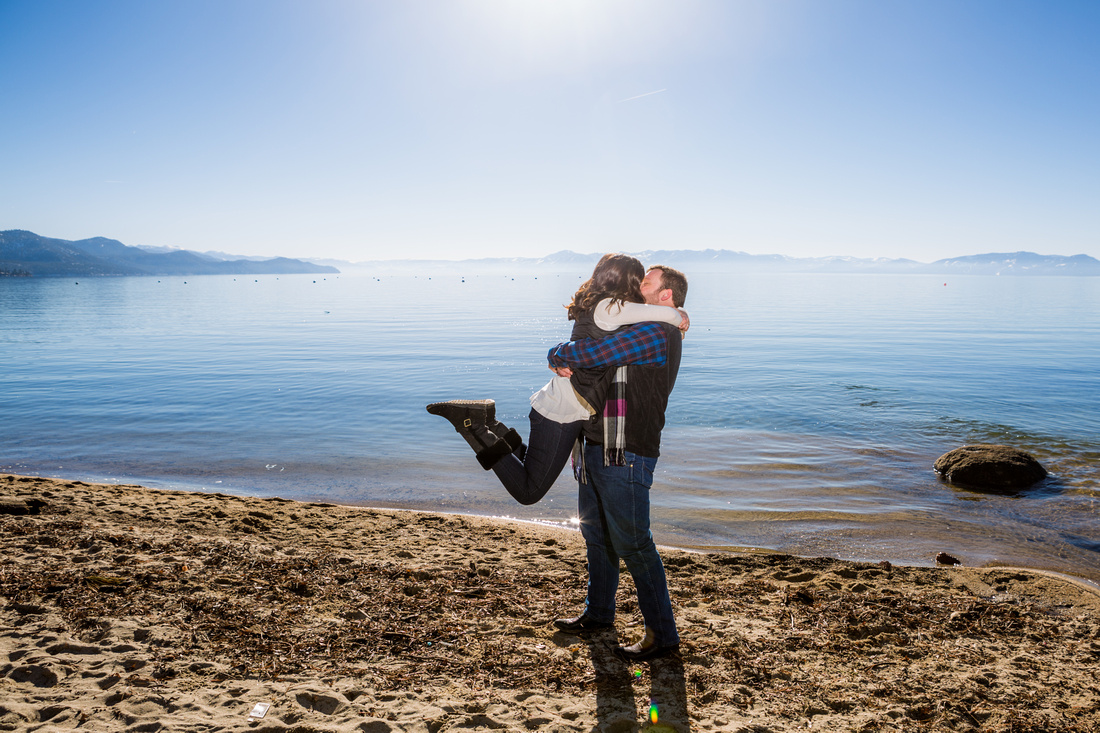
[614,421]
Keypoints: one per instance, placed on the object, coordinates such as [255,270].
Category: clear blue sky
[362,129]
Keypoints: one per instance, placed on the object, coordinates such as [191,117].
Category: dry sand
[134,609]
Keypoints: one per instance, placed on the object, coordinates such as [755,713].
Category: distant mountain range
[24,253]
[710,260]
[27,254]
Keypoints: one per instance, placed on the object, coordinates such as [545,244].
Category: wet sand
[126,608]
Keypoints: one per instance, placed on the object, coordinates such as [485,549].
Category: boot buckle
[467,423]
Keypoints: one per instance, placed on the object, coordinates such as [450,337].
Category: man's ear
[665,296]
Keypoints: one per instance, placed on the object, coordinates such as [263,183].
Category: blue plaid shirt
[642,343]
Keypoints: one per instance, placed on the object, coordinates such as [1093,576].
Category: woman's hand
[686,323]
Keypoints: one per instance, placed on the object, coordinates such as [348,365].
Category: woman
[609,299]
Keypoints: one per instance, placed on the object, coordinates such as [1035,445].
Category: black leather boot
[509,436]
[471,419]
[464,413]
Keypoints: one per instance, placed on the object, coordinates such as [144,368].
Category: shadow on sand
[665,708]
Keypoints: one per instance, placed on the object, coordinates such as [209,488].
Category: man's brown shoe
[641,653]
[646,649]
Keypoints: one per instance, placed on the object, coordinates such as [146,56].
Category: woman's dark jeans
[549,445]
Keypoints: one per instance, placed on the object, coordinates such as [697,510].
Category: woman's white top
[557,401]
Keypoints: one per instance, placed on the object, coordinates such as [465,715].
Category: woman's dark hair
[616,276]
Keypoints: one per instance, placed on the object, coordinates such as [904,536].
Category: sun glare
[564,35]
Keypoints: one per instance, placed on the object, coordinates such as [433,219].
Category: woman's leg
[548,447]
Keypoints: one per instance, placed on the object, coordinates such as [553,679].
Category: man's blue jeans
[614,514]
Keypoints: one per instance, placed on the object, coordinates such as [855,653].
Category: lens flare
[653,712]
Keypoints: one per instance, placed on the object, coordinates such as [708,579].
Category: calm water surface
[806,419]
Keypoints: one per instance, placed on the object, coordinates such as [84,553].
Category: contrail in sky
[641,95]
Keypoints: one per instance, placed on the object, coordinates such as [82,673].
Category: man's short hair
[675,281]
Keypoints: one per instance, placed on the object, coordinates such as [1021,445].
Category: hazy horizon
[223,255]
[740,252]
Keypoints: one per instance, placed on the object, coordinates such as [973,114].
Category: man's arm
[644,343]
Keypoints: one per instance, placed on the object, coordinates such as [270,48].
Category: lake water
[806,419]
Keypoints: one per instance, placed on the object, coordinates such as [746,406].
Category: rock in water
[991,467]
[942,558]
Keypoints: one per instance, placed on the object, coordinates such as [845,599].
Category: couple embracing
[605,406]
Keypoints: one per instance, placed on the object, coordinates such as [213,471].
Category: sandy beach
[133,609]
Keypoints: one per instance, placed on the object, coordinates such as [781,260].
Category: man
[620,451]
[664,286]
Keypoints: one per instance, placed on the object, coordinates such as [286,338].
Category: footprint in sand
[795,577]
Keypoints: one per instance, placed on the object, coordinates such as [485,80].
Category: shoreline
[668,535]
[1084,583]
[1046,532]
[183,610]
